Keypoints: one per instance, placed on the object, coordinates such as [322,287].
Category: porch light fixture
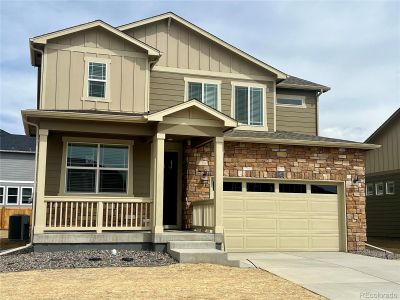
[204,177]
[355,179]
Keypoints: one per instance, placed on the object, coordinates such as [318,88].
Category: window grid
[96,79]
[98,168]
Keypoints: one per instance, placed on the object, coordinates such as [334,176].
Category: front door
[170,215]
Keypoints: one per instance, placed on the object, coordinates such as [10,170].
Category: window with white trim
[26,195]
[379,188]
[1,194]
[206,92]
[96,168]
[370,189]
[97,80]
[290,100]
[248,105]
[12,195]
[390,188]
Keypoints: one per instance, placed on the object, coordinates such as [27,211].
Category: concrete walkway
[335,275]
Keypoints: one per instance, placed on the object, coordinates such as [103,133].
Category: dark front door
[170,188]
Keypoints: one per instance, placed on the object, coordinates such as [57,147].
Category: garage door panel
[281,221]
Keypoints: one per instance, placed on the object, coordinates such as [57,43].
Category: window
[370,189]
[292,188]
[290,100]
[260,187]
[97,80]
[379,189]
[206,92]
[97,168]
[12,195]
[323,189]
[1,194]
[232,186]
[390,188]
[26,195]
[248,105]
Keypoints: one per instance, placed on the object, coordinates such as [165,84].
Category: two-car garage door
[282,216]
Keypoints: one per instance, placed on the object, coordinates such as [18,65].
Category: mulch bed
[81,259]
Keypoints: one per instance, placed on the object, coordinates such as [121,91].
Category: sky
[351,46]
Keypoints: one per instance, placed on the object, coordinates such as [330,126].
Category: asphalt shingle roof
[16,142]
[296,81]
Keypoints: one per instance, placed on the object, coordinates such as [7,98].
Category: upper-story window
[379,188]
[390,188]
[249,104]
[205,91]
[97,79]
[290,100]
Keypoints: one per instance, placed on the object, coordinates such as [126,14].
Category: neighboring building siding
[17,166]
[386,158]
[383,212]
[168,89]
[302,120]
[65,68]
[141,167]
[184,48]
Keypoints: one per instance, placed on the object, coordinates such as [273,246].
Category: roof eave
[304,87]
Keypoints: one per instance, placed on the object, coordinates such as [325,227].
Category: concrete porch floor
[335,275]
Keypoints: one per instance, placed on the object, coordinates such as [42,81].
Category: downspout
[319,93]
[34,195]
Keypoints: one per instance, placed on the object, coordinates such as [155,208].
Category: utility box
[18,227]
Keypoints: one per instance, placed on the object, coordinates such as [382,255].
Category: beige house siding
[184,48]
[386,158]
[293,119]
[168,89]
[141,166]
[64,72]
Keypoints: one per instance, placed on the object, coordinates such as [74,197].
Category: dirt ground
[391,244]
[180,281]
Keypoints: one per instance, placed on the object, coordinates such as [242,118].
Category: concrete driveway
[335,275]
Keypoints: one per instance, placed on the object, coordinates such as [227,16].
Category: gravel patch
[378,254]
[28,260]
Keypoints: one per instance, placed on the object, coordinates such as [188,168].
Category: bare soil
[177,281]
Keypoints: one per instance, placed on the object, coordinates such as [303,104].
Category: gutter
[34,195]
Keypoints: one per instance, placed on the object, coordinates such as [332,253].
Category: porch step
[200,252]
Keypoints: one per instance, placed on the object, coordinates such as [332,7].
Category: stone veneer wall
[299,162]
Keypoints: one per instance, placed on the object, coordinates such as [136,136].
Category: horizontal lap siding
[383,211]
[65,73]
[17,166]
[301,120]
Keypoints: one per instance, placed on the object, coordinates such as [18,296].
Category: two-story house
[158,125]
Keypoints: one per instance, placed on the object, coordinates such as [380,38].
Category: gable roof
[159,116]
[279,74]
[395,116]
[293,82]
[16,142]
[42,39]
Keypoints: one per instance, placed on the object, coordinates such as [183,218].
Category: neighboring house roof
[292,138]
[42,39]
[293,82]
[395,116]
[16,143]
[279,74]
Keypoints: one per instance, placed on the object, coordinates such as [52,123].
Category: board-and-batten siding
[293,119]
[17,166]
[64,71]
[168,89]
[141,167]
[386,158]
[184,48]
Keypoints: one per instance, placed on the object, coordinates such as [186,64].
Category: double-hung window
[97,80]
[97,168]
[12,195]
[248,105]
[205,91]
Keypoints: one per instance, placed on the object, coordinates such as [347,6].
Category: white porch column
[40,217]
[218,183]
[158,182]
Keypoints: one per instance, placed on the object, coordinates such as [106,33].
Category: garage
[283,215]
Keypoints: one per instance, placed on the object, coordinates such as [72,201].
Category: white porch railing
[203,215]
[72,213]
